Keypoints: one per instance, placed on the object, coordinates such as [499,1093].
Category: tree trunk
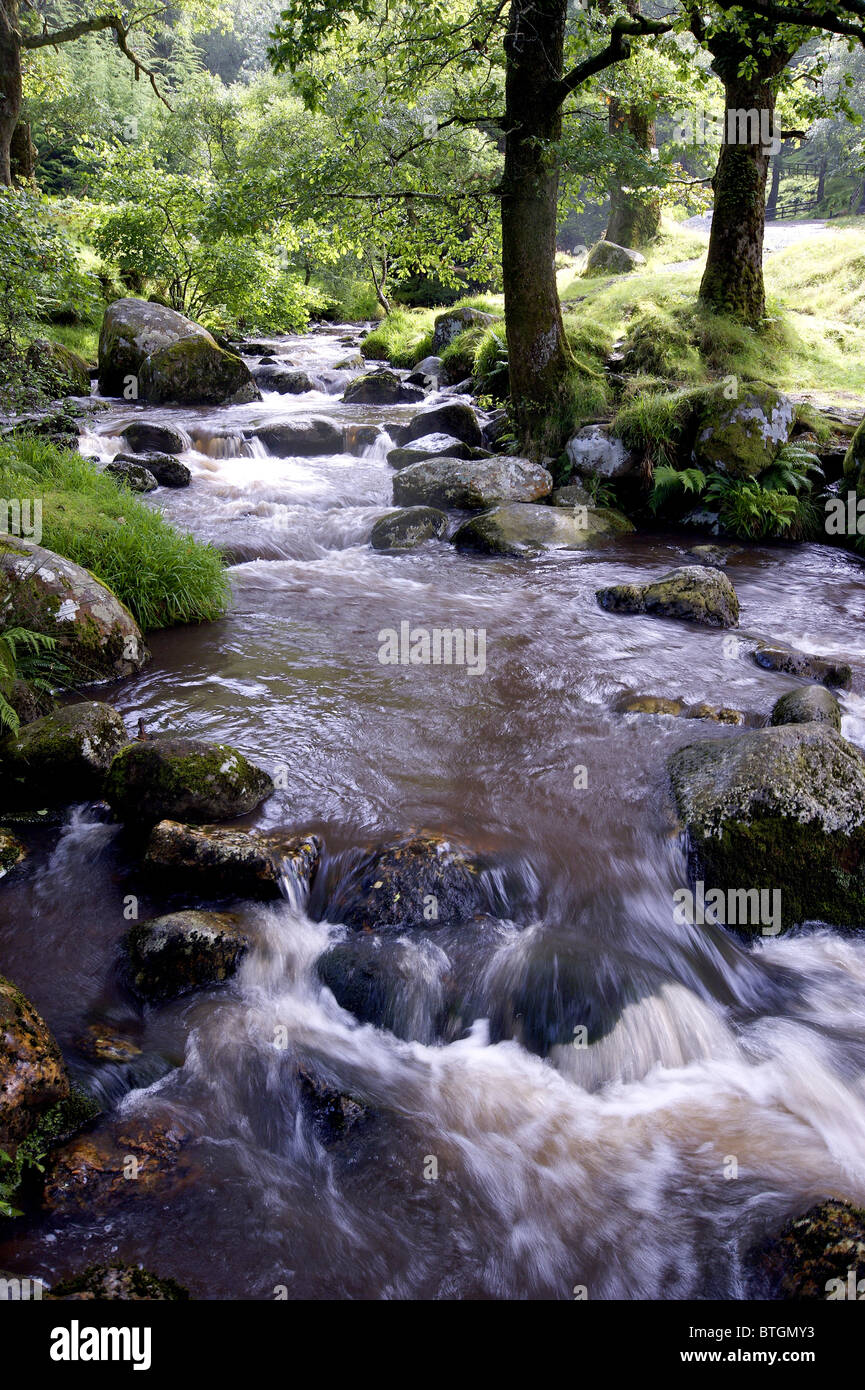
[635,214]
[821,178]
[772,204]
[540,361]
[10,84]
[733,278]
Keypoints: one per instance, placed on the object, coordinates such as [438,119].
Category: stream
[556,1167]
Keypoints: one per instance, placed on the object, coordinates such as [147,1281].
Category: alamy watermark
[21,517]
[730,907]
[434,646]
[735,126]
[845,516]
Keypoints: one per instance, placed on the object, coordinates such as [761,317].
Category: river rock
[607,258]
[184,779]
[12,852]
[742,436]
[497,427]
[522,529]
[431,446]
[171,357]
[358,438]
[826,670]
[716,556]
[422,880]
[143,436]
[215,860]
[426,373]
[595,453]
[93,1171]
[333,1113]
[455,418]
[812,1257]
[301,438]
[572,495]
[381,388]
[408,527]
[288,381]
[167,470]
[132,473]
[96,636]
[62,757]
[812,704]
[32,1074]
[697,592]
[453,322]
[68,372]
[118,1283]
[854,461]
[780,807]
[471,483]
[172,955]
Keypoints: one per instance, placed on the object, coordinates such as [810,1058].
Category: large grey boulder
[301,437]
[408,528]
[170,357]
[742,436]
[523,529]
[607,258]
[381,388]
[132,473]
[431,446]
[145,436]
[96,636]
[697,592]
[471,483]
[165,469]
[453,322]
[595,453]
[455,418]
[778,808]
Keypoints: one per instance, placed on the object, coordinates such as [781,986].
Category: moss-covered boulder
[695,592]
[167,470]
[182,951]
[195,371]
[62,757]
[170,357]
[132,474]
[408,527]
[381,388]
[454,418]
[608,258]
[431,446]
[32,1074]
[64,370]
[522,529]
[119,1283]
[449,325]
[470,483]
[813,704]
[97,637]
[778,808]
[742,436]
[572,495]
[815,1255]
[183,779]
[231,861]
[854,461]
[826,670]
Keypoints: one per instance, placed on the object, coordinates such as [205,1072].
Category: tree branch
[618,50]
[92,26]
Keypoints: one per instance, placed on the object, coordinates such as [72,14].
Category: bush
[162,575]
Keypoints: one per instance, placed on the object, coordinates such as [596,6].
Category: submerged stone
[182,951]
[521,529]
[696,592]
[827,670]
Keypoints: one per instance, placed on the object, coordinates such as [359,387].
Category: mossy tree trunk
[10,84]
[733,279]
[539,358]
[635,214]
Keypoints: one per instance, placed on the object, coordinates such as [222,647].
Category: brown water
[558,1166]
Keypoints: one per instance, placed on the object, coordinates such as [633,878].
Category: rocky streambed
[380,968]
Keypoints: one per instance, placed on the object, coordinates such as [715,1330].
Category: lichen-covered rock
[595,453]
[12,852]
[826,670]
[522,529]
[470,483]
[431,446]
[815,1255]
[607,258]
[854,461]
[183,779]
[96,636]
[742,436]
[232,861]
[407,528]
[132,474]
[381,388]
[781,807]
[32,1074]
[422,880]
[301,437]
[696,592]
[813,704]
[62,757]
[182,951]
[167,470]
[137,1156]
[454,418]
[68,373]
[144,436]
[453,322]
[196,371]
[572,495]
[119,1283]
[169,356]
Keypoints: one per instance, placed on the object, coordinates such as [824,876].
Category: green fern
[668,480]
[751,511]
[790,470]
[23,657]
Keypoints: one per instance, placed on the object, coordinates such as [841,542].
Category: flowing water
[725,1087]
